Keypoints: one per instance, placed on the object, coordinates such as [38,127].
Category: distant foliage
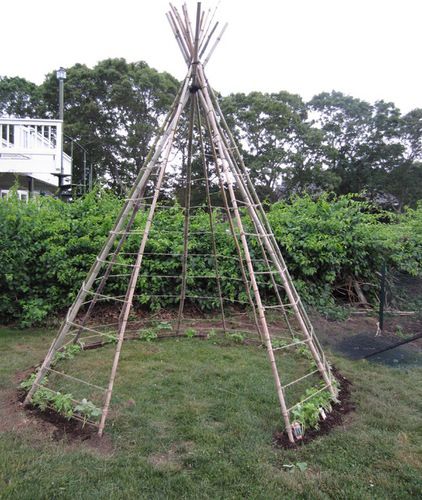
[48,246]
[334,142]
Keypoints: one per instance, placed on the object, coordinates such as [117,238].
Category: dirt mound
[47,424]
[334,418]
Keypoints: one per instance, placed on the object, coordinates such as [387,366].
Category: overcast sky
[370,49]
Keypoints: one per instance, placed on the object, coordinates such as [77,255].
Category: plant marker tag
[322,413]
[297,430]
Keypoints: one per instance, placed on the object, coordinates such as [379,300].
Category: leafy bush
[327,242]
[308,413]
[42,398]
[48,246]
[87,410]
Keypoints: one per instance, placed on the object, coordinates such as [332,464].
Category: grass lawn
[192,419]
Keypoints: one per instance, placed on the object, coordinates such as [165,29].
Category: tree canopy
[114,109]
[334,142]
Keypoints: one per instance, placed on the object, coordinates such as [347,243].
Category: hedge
[47,247]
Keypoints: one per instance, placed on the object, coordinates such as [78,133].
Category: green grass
[201,424]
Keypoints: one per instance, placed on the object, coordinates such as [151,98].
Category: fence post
[382,298]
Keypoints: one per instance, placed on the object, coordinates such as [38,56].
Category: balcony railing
[33,147]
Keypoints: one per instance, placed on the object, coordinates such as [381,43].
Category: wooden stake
[136,269]
[206,102]
[187,214]
[215,45]
[140,182]
[208,197]
[232,228]
[269,241]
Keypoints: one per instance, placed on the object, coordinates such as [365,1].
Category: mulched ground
[56,427]
[64,428]
[334,418]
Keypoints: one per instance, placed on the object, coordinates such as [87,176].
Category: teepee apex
[194,43]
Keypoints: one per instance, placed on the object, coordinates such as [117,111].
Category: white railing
[33,147]
[21,137]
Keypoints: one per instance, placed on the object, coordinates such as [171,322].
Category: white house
[31,155]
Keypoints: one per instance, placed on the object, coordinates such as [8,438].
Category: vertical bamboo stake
[294,298]
[231,226]
[272,248]
[205,45]
[189,159]
[187,20]
[215,44]
[382,298]
[183,28]
[180,41]
[212,229]
[107,273]
[204,21]
[210,21]
[187,214]
[260,307]
[275,287]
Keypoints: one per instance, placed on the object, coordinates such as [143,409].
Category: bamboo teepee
[258,258]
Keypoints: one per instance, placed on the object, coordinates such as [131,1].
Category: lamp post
[61,76]
[85,154]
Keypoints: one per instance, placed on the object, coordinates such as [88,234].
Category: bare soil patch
[46,425]
[173,458]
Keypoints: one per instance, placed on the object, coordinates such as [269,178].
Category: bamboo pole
[232,228]
[204,23]
[107,273]
[249,186]
[211,19]
[206,102]
[187,214]
[139,184]
[208,197]
[217,41]
[182,28]
[135,273]
[295,302]
[189,159]
[180,41]
[275,287]
[276,257]
[204,47]
[187,20]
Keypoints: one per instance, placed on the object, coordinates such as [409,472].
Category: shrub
[48,246]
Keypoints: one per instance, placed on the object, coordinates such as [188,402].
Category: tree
[114,110]
[19,98]
[281,149]
[370,147]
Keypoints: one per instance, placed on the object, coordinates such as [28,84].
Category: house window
[22,195]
